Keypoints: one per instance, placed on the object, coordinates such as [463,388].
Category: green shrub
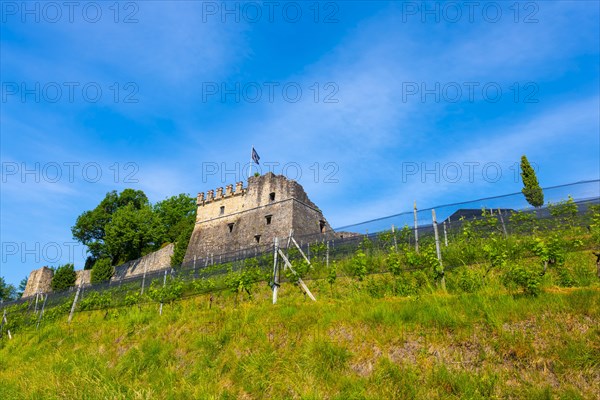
[406,284]
[332,274]
[550,250]
[393,263]
[564,212]
[594,213]
[204,285]
[565,278]
[132,299]
[468,280]
[95,300]
[359,265]
[64,277]
[242,281]
[167,293]
[518,277]
[522,222]
[102,271]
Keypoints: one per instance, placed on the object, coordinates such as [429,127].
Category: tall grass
[347,345]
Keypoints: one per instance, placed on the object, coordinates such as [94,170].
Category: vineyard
[509,309]
[519,252]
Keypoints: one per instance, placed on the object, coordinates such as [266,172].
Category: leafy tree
[102,271]
[132,232]
[89,262]
[64,277]
[181,244]
[90,227]
[7,291]
[531,187]
[176,214]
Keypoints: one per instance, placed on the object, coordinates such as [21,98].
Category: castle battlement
[210,196]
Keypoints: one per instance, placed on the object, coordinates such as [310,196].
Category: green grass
[381,337]
[347,345]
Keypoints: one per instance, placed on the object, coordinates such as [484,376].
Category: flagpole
[251,162]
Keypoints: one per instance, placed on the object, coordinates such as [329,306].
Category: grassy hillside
[519,317]
[349,344]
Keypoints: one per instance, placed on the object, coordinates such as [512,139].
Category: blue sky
[388,89]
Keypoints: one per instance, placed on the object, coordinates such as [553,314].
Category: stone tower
[269,207]
[39,281]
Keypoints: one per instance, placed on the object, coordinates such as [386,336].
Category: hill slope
[346,345]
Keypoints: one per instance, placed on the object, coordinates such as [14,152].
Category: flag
[255,156]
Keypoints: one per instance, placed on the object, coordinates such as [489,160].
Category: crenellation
[228,190]
[219,195]
[239,187]
[200,199]
[210,195]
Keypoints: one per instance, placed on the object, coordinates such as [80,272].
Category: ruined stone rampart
[155,261]
[39,281]
[84,277]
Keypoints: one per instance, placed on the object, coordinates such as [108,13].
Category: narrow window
[322,226]
[230,226]
[222,210]
[257,238]
[268,219]
[272,196]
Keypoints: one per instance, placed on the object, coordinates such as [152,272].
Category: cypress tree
[531,187]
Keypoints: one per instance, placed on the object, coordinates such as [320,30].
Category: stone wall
[151,262]
[39,281]
[269,207]
[84,277]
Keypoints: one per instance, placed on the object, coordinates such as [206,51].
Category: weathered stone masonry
[40,280]
[269,207]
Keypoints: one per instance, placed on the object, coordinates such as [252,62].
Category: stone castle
[269,207]
[226,221]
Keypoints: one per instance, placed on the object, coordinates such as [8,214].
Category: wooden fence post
[74,303]
[41,312]
[275,269]
[416,228]
[445,235]
[437,248]
[194,269]
[503,225]
[161,300]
